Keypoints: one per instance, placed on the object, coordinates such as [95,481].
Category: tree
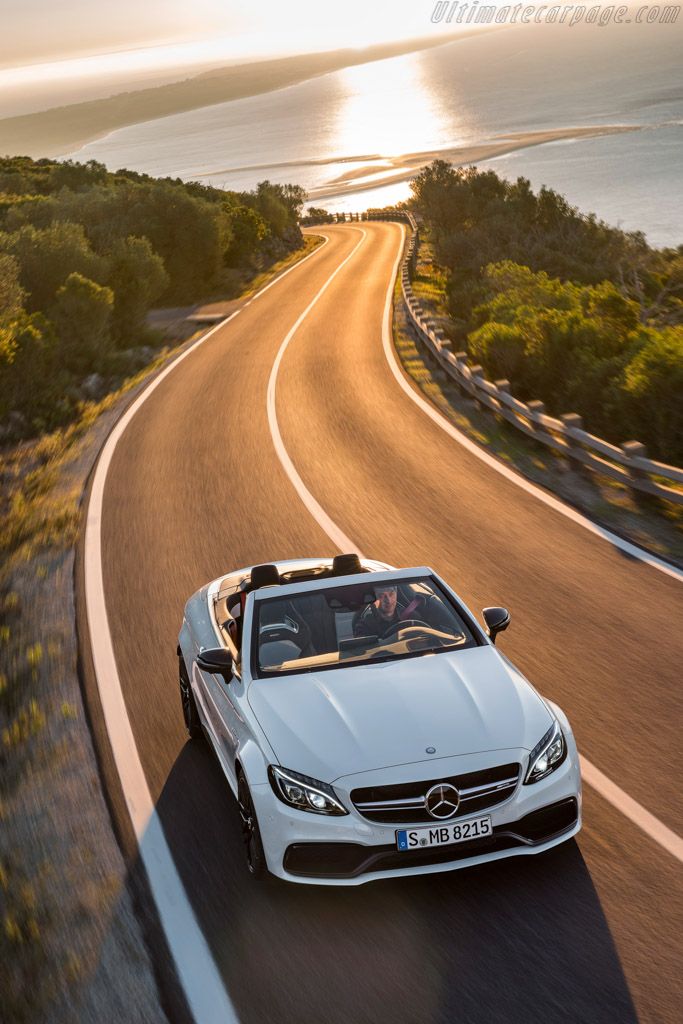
[137,277]
[82,315]
[318,215]
[511,288]
[618,315]
[47,256]
[75,176]
[84,253]
[248,230]
[476,218]
[27,377]
[11,292]
[652,388]
[280,207]
[183,230]
[500,348]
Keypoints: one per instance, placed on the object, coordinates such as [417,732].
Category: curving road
[589,932]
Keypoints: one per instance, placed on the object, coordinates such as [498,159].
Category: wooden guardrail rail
[626,463]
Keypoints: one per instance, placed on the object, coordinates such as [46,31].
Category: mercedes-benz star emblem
[442,801]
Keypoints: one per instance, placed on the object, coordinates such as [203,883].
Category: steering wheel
[396,626]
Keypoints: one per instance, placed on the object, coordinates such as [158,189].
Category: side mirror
[217,661]
[497,620]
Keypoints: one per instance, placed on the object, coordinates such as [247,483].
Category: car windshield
[339,626]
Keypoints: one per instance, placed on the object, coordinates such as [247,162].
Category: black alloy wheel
[256,858]
[190,714]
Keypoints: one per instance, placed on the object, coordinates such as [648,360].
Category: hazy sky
[40,31]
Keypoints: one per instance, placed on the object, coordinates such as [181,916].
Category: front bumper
[350,850]
[351,860]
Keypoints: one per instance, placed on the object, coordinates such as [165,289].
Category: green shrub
[137,277]
[82,315]
[47,256]
[653,393]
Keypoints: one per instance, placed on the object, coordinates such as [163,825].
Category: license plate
[443,835]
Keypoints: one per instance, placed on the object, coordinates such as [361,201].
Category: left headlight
[304,793]
[546,755]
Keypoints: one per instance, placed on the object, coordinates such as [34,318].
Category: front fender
[560,716]
[253,763]
[568,735]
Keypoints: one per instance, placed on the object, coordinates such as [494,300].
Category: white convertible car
[368,726]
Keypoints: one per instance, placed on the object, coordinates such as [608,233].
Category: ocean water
[513,80]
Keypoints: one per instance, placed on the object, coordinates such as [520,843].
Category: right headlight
[547,755]
[303,792]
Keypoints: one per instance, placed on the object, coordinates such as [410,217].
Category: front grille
[404,803]
[349,860]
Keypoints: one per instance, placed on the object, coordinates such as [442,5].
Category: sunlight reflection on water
[341,123]
[381,100]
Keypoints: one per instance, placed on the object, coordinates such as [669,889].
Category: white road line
[317,511]
[630,549]
[200,979]
[635,812]
[632,810]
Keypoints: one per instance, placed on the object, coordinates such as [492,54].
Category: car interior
[229,607]
[323,626]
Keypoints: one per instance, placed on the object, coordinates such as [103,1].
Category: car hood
[347,720]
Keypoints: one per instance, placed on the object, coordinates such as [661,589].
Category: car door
[222,712]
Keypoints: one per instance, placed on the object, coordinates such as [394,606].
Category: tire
[190,713]
[251,834]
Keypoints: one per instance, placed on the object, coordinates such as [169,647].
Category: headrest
[264,576]
[346,565]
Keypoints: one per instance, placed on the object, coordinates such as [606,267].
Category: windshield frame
[370,579]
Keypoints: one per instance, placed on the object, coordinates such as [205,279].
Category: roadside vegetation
[43,931]
[656,526]
[84,255]
[583,316]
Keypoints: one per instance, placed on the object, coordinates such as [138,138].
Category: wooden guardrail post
[476,375]
[572,421]
[635,450]
[504,389]
[538,407]
[412,258]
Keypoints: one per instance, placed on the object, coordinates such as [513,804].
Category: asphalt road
[589,932]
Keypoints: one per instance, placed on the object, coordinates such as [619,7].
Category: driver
[381,614]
